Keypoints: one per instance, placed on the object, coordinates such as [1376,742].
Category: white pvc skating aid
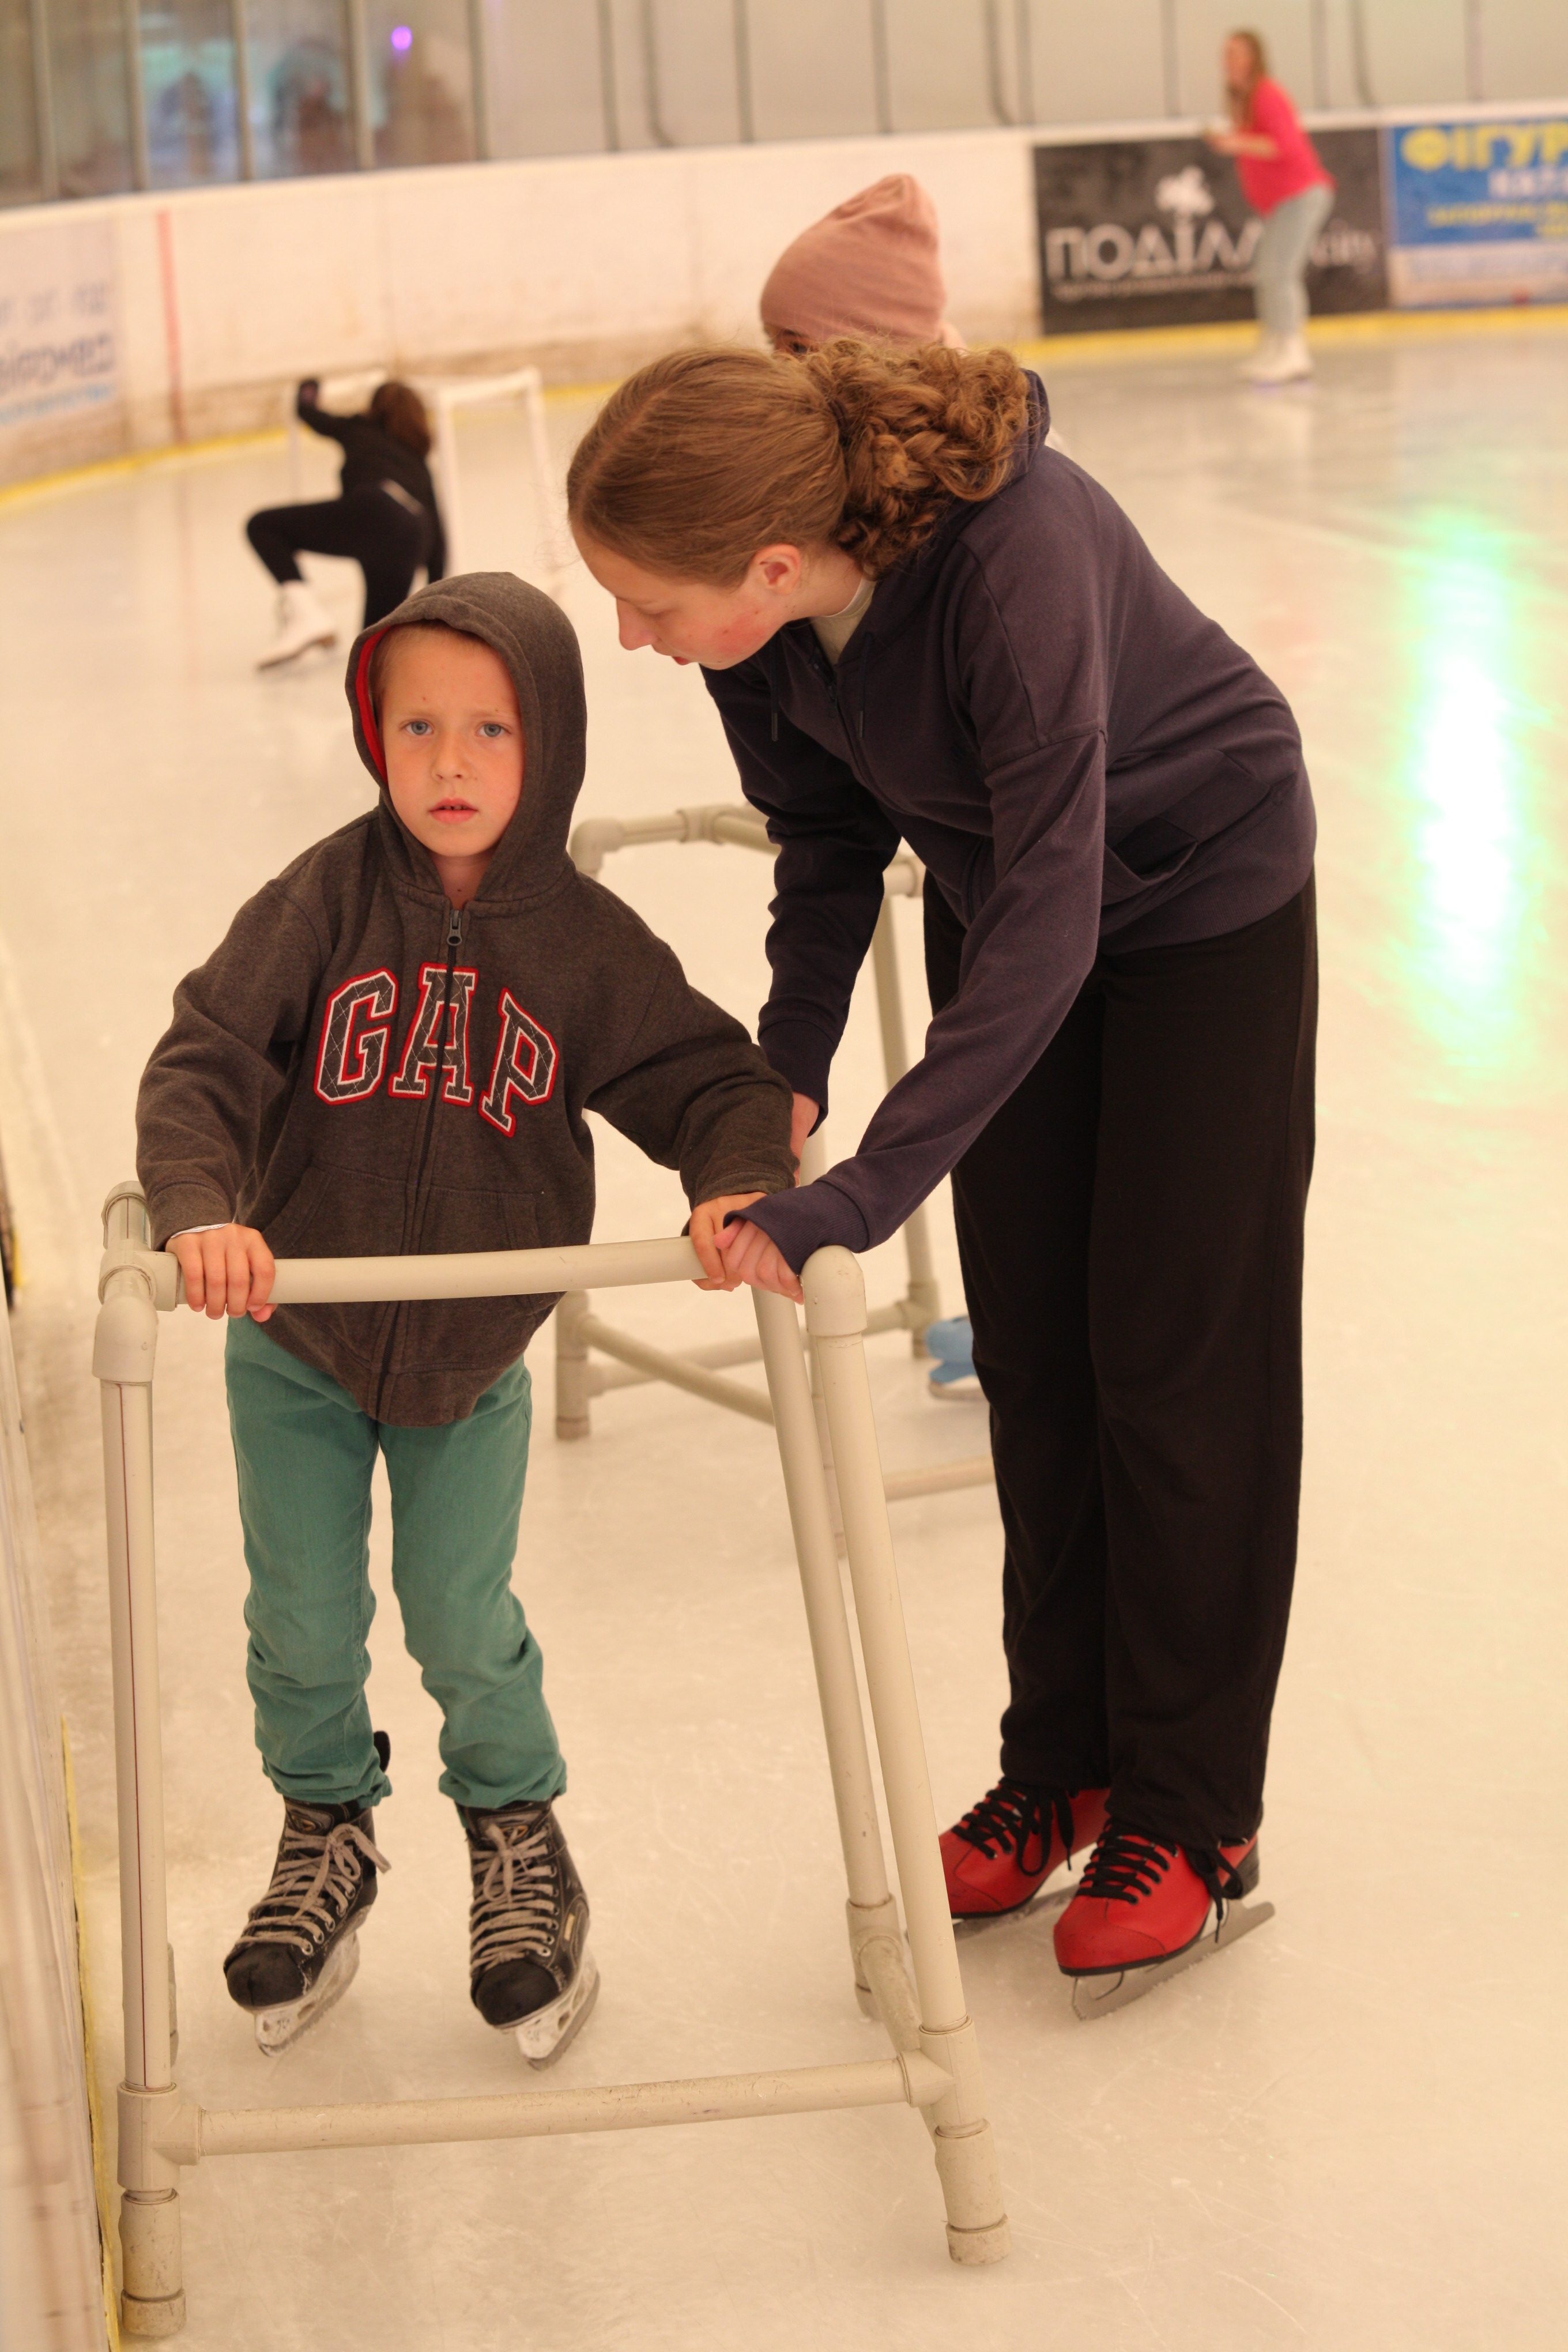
[582,1335]
[933,2065]
[278,2029]
[1097,1996]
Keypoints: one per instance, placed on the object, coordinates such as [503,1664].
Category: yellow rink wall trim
[172,454]
[1057,350]
[102,2185]
[1348,327]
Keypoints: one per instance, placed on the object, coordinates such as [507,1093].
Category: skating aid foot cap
[1096,1996]
[277,2030]
[148,2320]
[975,2247]
[542,2037]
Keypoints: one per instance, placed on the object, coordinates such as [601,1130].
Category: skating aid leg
[921,1300]
[872,1914]
[571,1390]
[124,1348]
[964,2149]
[153,2303]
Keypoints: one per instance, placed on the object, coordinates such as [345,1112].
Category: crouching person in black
[384,517]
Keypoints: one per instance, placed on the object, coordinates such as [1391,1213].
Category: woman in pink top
[1283,179]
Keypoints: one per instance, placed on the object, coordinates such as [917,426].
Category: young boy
[392,1050]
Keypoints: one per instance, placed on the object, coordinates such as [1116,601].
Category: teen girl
[918,620]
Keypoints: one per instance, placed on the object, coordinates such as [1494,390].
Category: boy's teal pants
[305,1453]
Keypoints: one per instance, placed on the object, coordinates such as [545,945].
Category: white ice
[1347,2132]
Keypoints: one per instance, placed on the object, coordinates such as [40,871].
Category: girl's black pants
[384,538]
[1129,1228]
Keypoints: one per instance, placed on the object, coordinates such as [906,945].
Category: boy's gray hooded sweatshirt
[360,1070]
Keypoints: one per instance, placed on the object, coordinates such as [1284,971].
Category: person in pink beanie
[870,268]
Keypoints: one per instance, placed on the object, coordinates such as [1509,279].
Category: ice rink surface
[1348,2132]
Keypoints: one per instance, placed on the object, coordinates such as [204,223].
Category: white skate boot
[530,1969]
[302,622]
[1280,361]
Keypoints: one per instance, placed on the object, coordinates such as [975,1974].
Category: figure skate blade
[542,2037]
[277,2030]
[1044,1905]
[1097,1996]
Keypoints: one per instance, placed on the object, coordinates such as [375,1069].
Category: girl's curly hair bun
[701,459]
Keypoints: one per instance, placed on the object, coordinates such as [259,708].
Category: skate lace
[1125,1865]
[515,1903]
[315,1878]
[1222,1878]
[1011,1814]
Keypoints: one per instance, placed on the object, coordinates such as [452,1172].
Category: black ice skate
[530,1969]
[299,1951]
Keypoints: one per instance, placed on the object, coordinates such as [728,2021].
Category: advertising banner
[59,343]
[1156,233]
[1478,210]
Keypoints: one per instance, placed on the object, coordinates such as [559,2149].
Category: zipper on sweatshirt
[828,675]
[438,1079]
[437,1075]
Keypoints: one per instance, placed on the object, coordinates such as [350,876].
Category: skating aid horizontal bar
[942,1478]
[901,1316]
[679,1371]
[485,1273]
[189,2132]
[460,1274]
[735,823]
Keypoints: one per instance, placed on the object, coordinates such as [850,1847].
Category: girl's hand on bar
[707,1228]
[752,1256]
[228,1271]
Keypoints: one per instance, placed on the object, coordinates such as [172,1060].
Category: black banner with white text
[1156,233]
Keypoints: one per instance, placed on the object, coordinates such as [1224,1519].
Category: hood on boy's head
[539,646]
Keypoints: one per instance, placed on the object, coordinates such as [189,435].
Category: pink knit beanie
[870,268]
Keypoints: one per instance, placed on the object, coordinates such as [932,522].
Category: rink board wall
[51,2261]
[134,321]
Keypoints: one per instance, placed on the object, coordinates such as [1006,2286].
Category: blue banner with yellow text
[1478,208]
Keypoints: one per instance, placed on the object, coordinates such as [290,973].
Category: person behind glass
[384,517]
[1282,178]
[916,619]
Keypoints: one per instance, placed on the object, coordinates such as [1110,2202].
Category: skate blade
[277,2030]
[283,661]
[1044,1905]
[1097,1996]
[542,2037]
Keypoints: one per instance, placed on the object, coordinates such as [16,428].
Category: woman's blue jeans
[1279,261]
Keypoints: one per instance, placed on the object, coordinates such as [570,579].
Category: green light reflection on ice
[1468,779]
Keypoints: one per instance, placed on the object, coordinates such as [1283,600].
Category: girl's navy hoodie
[1080,756]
